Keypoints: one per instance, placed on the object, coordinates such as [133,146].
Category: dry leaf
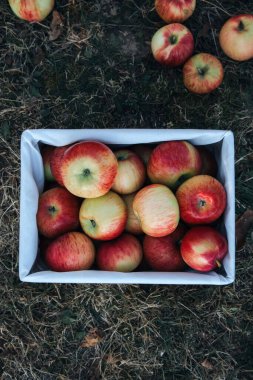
[242,226]
[207,364]
[56,26]
[92,338]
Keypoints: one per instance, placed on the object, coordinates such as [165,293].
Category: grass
[100,74]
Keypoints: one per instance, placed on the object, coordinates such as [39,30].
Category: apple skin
[201,199]
[46,153]
[157,210]
[123,254]
[143,151]
[89,169]
[209,164]
[172,162]
[58,212]
[172,45]
[70,252]
[103,218]
[56,163]
[131,172]
[32,10]
[133,225]
[202,73]
[175,10]
[163,253]
[236,37]
[203,248]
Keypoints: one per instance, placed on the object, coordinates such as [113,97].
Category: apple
[133,225]
[157,209]
[123,254]
[175,10]
[201,199]
[131,172]
[163,253]
[203,248]
[32,10]
[172,45]
[143,151]
[46,153]
[70,252]
[58,212]
[236,37]
[172,162]
[209,164]
[202,73]
[103,218]
[56,163]
[89,169]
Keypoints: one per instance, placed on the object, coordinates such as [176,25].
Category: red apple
[172,45]
[143,151]
[46,153]
[89,169]
[70,252]
[203,248]
[163,253]
[57,213]
[32,10]
[236,37]
[122,255]
[175,10]
[56,163]
[131,172]
[133,225]
[209,164]
[103,218]
[201,199]
[202,73]
[157,209]
[172,162]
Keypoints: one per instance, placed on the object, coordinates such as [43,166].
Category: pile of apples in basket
[144,207]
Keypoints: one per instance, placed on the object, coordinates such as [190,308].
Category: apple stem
[241,26]
[218,263]
[93,223]
[202,70]
[51,209]
[86,172]
[173,39]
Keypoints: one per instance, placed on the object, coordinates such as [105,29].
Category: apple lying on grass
[131,172]
[58,212]
[172,45]
[70,252]
[123,254]
[46,153]
[56,163]
[103,218]
[236,37]
[32,10]
[202,73]
[201,199]
[133,225]
[163,253]
[157,210]
[203,248]
[175,10]
[89,169]
[172,162]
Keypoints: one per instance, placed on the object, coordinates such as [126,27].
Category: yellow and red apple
[133,225]
[172,162]
[46,153]
[157,210]
[103,218]
[56,163]
[32,10]
[175,10]
[203,248]
[172,45]
[123,254]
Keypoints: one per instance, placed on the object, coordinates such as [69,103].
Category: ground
[100,73]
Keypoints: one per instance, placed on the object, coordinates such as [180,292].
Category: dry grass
[100,74]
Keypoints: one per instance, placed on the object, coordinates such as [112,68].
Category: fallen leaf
[92,338]
[242,226]
[56,26]
[207,364]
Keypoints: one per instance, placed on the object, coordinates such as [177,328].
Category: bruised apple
[32,10]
